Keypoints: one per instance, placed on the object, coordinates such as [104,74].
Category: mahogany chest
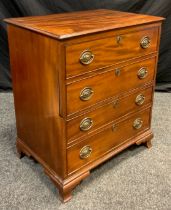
[83,86]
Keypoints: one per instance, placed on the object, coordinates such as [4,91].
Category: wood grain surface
[106,140]
[48,78]
[106,85]
[108,51]
[116,108]
[68,25]
[36,96]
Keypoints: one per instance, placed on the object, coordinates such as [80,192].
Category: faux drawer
[103,142]
[108,51]
[108,84]
[106,113]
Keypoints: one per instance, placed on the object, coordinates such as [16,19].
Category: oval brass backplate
[86,124]
[145,42]
[86,57]
[142,73]
[86,93]
[85,152]
[140,99]
[137,124]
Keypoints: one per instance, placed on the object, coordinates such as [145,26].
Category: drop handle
[85,152]
[86,93]
[137,124]
[145,42]
[86,124]
[140,99]
[86,57]
[142,73]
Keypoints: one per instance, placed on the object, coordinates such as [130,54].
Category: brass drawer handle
[86,124]
[137,124]
[145,42]
[140,99]
[142,73]
[85,152]
[86,93]
[86,57]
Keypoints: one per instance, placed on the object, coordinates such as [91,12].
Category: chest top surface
[68,25]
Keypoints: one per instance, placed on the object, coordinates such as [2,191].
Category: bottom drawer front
[99,144]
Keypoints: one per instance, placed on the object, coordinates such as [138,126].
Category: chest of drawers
[83,87]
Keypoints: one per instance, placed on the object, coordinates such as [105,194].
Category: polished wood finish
[102,89]
[48,76]
[32,56]
[109,50]
[115,108]
[69,25]
[112,136]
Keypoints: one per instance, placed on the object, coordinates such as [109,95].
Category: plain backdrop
[20,8]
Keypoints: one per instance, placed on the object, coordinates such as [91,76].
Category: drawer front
[89,91]
[101,143]
[87,123]
[84,57]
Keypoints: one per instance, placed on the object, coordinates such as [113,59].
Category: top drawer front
[88,56]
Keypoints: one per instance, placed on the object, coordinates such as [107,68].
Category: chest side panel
[35,72]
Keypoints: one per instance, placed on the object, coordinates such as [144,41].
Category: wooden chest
[83,87]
